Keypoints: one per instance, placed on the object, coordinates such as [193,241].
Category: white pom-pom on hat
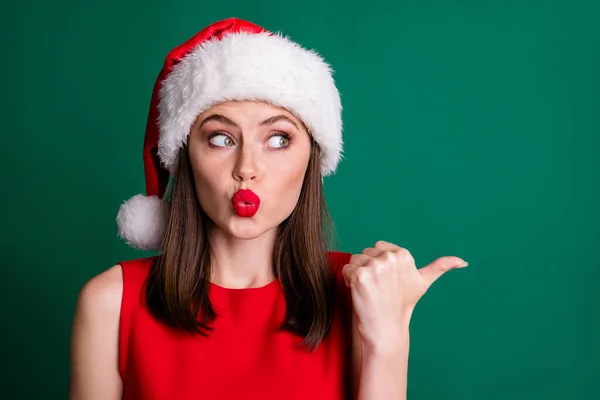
[142,221]
[259,66]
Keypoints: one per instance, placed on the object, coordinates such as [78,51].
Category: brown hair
[178,284]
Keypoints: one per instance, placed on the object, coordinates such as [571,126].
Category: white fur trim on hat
[142,221]
[251,66]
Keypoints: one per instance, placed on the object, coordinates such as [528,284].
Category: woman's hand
[385,286]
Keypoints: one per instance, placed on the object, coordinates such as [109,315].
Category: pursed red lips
[245,203]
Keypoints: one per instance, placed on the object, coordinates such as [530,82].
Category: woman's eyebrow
[269,121]
[219,118]
[272,120]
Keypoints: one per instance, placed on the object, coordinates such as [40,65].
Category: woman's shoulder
[95,333]
[101,295]
[336,256]
[136,270]
[337,259]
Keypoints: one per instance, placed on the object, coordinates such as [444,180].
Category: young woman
[244,300]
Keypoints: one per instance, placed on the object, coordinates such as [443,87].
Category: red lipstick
[245,203]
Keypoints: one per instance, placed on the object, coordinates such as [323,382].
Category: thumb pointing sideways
[440,266]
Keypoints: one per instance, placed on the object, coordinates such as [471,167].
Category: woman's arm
[383,372]
[385,286]
[378,373]
[95,339]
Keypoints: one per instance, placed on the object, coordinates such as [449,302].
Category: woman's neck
[242,263]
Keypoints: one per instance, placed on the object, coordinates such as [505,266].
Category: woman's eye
[279,141]
[221,141]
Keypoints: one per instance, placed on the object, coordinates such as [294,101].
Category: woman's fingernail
[463,264]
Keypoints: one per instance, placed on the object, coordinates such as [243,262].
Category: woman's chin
[246,228]
[243,227]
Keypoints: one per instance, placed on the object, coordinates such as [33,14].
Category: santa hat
[228,60]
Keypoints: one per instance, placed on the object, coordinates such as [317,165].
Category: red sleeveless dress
[246,356]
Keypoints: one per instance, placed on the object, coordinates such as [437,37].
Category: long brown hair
[178,284]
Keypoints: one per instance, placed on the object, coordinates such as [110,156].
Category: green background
[471,129]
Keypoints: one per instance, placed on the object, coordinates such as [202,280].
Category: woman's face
[248,145]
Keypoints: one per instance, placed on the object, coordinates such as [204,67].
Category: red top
[245,357]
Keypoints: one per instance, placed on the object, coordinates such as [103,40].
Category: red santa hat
[228,60]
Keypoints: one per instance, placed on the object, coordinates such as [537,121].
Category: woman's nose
[247,165]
